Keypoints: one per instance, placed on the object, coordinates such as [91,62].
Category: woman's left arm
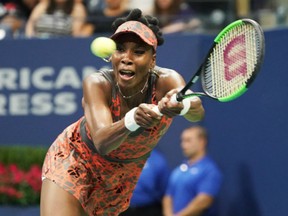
[196,112]
[171,83]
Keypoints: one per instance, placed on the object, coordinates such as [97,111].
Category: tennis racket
[231,64]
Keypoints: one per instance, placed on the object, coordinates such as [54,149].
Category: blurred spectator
[175,16]
[100,21]
[258,4]
[194,184]
[56,18]
[93,5]
[13,17]
[145,6]
[150,189]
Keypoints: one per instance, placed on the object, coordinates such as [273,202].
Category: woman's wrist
[186,102]
[129,120]
[186,106]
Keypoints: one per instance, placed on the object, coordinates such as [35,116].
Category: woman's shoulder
[168,79]
[99,79]
[166,73]
[97,83]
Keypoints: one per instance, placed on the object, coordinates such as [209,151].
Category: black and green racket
[232,62]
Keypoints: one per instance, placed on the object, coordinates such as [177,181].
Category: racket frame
[199,73]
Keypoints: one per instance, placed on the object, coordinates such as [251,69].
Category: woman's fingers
[146,117]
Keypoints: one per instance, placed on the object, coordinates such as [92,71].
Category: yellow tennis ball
[102,47]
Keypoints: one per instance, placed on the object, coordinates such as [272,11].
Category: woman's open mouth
[126,74]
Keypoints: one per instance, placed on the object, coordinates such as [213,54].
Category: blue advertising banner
[40,85]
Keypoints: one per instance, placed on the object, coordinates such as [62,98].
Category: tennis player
[94,164]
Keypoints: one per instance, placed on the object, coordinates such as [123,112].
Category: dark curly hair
[150,21]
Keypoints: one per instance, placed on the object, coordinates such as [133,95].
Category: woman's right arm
[105,134]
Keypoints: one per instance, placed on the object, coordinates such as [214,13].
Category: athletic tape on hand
[129,120]
[157,111]
[186,104]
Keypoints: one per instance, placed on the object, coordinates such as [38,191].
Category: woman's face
[132,60]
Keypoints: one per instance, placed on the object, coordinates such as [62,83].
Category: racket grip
[186,104]
[173,99]
[156,110]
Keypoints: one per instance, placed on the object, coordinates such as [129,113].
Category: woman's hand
[172,109]
[168,108]
[145,116]
[196,112]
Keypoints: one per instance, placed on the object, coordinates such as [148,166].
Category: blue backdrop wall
[40,94]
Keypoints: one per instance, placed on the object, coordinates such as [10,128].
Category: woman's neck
[133,97]
[134,92]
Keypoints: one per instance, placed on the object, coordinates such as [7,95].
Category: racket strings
[232,61]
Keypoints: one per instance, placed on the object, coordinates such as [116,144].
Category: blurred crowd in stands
[83,18]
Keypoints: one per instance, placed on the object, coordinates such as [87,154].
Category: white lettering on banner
[3,102]
[39,78]
[43,78]
[8,78]
[42,91]
[41,104]
[19,104]
[65,103]
[68,77]
[24,80]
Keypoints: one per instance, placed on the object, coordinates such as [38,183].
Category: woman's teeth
[127,73]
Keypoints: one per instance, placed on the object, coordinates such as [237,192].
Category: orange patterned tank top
[102,184]
[139,144]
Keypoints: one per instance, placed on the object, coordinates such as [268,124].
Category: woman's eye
[139,52]
[120,49]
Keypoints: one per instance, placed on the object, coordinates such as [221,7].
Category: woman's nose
[127,58]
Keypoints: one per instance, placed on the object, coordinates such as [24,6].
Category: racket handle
[186,104]
[156,110]
[179,97]
[173,99]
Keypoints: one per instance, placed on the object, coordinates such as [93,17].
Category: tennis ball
[102,47]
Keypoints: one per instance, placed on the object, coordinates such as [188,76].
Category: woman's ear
[153,63]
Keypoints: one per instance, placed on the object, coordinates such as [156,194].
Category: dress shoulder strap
[152,85]
[108,74]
